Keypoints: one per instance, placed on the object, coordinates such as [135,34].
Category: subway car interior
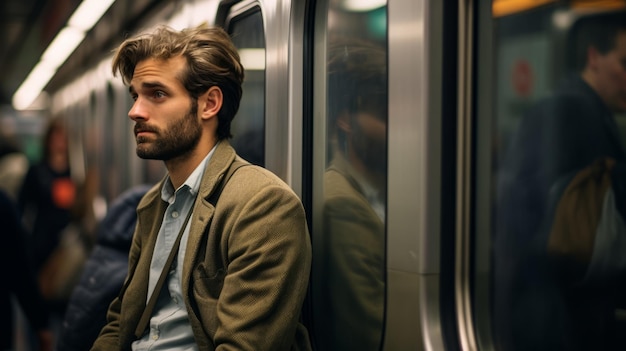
[482,142]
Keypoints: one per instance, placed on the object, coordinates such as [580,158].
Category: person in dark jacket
[20,282]
[47,195]
[534,307]
[103,274]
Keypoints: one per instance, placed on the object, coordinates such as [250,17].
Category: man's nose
[138,110]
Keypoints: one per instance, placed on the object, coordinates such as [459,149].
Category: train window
[349,175]
[550,236]
[248,127]
[110,186]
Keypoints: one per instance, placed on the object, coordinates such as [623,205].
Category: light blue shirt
[169,327]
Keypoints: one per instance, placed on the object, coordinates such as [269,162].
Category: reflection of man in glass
[354,199]
[560,136]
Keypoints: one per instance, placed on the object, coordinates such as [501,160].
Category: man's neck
[180,168]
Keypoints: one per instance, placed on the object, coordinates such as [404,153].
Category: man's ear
[593,57]
[210,102]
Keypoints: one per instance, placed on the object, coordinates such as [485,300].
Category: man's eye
[159,94]
[134,97]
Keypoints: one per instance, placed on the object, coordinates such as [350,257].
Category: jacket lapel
[216,168]
[150,213]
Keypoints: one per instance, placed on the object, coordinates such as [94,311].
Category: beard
[371,150]
[178,139]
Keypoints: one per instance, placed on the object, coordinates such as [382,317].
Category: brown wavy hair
[212,60]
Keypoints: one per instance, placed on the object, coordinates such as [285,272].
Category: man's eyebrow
[147,85]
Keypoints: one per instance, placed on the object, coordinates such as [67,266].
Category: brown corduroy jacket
[246,270]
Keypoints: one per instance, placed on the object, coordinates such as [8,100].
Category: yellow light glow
[508,7]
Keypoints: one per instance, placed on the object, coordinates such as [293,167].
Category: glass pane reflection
[248,127]
[559,238]
[350,295]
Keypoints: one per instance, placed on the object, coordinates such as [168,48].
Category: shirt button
[175,214]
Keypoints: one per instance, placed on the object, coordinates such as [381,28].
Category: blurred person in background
[543,299]
[53,206]
[103,274]
[13,165]
[20,284]
[48,194]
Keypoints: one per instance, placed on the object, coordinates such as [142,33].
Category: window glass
[248,127]
[556,126]
[109,183]
[349,227]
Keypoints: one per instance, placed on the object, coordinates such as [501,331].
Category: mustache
[142,127]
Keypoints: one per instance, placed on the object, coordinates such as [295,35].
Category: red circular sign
[522,78]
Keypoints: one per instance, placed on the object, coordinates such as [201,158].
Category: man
[352,262]
[13,165]
[535,305]
[102,275]
[20,286]
[241,272]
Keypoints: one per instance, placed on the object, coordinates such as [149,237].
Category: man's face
[166,117]
[369,141]
[611,75]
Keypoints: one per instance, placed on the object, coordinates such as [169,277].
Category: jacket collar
[217,167]
[215,170]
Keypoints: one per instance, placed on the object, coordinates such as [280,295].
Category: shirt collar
[191,184]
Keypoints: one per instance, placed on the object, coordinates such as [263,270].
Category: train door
[376,174]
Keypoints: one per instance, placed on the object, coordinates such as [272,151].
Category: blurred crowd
[65,263]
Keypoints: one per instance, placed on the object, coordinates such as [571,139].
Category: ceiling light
[89,13]
[362,5]
[62,46]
